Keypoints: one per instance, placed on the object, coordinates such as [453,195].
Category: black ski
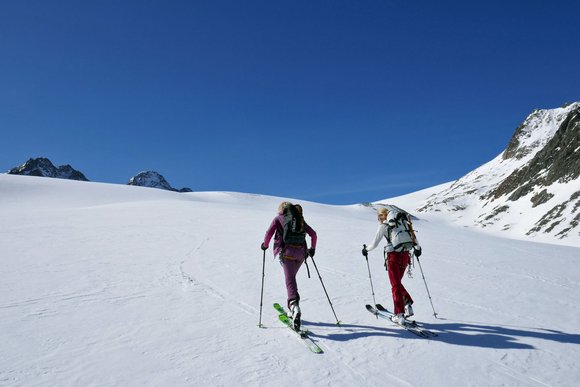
[408,325]
[412,323]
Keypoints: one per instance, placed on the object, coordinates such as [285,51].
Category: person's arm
[269,234]
[379,235]
[312,234]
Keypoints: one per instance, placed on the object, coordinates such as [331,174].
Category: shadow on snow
[471,334]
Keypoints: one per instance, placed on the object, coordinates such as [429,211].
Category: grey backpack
[401,233]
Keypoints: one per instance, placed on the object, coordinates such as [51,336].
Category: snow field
[115,285]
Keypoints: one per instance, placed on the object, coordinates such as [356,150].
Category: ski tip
[372,310]
[279,308]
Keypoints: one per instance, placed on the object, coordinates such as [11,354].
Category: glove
[417,251]
[311,252]
[263,247]
[365,252]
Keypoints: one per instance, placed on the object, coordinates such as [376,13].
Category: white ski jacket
[382,232]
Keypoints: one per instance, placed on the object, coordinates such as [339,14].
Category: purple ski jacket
[277,228]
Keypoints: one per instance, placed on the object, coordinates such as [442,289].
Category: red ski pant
[397,263]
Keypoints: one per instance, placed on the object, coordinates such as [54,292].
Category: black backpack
[293,226]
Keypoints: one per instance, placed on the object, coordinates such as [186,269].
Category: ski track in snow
[190,279]
[192,260]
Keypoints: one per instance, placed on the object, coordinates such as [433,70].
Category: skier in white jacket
[396,263]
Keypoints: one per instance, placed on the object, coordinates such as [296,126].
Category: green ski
[303,335]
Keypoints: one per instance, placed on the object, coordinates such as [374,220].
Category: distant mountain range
[43,167]
[531,189]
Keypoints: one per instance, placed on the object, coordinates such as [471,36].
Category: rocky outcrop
[557,161]
[153,179]
[43,167]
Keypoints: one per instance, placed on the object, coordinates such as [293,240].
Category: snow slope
[472,200]
[110,285]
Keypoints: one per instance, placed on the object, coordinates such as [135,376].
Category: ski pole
[323,287]
[430,300]
[262,291]
[370,278]
[307,269]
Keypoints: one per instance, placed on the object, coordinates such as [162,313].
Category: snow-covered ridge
[535,132]
[531,190]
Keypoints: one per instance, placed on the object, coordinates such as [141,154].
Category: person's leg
[291,268]
[396,271]
[405,260]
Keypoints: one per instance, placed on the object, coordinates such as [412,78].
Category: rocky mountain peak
[536,178]
[557,161]
[43,167]
[536,130]
[153,179]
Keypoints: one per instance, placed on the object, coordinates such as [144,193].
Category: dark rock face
[150,179]
[554,217]
[153,179]
[558,161]
[43,167]
[541,198]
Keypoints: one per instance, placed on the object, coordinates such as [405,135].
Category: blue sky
[332,101]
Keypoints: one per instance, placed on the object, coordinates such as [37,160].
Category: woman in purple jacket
[291,258]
